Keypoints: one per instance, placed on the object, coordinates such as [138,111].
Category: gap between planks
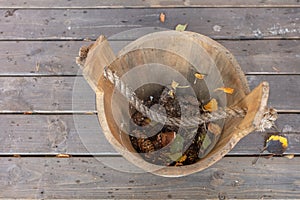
[15,75]
[92,39]
[92,4]
[92,112]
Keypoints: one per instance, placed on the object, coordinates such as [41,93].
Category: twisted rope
[160,117]
[267,122]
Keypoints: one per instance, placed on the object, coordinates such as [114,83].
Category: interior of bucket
[154,61]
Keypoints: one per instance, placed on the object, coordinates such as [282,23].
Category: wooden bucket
[112,107]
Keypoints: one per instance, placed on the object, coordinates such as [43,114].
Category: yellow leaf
[182,158]
[183,86]
[63,155]
[174,84]
[211,106]
[181,27]
[199,76]
[225,89]
[171,93]
[162,17]
[290,156]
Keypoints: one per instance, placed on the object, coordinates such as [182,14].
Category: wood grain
[40,135]
[77,24]
[21,94]
[63,4]
[33,58]
[44,178]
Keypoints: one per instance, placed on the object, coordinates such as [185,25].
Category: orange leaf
[225,89]
[162,17]
[211,106]
[182,159]
[63,155]
[199,76]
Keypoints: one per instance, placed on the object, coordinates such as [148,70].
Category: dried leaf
[211,106]
[171,93]
[182,159]
[205,144]
[179,162]
[276,69]
[225,89]
[63,155]
[181,27]
[37,66]
[167,138]
[290,156]
[162,17]
[89,113]
[199,76]
[28,112]
[214,128]
[175,156]
[16,155]
[147,121]
[183,86]
[177,144]
[174,84]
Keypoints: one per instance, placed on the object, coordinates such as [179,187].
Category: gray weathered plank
[231,178]
[45,93]
[284,90]
[82,135]
[63,4]
[21,94]
[58,57]
[236,23]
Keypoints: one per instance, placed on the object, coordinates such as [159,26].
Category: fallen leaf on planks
[290,156]
[37,67]
[63,155]
[275,69]
[162,17]
[181,27]
[227,90]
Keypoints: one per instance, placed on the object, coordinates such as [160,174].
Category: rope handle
[95,66]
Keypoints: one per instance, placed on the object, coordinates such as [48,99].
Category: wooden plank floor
[46,107]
